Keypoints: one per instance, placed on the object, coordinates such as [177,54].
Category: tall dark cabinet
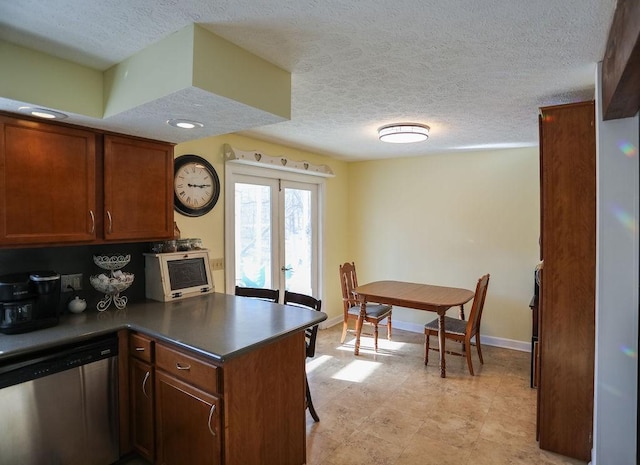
[567,302]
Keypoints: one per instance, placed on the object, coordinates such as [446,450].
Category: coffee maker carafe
[29,301]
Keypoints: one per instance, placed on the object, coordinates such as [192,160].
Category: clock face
[196,185]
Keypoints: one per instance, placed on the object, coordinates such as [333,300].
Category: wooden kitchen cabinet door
[138,189]
[187,423]
[567,303]
[141,385]
[47,183]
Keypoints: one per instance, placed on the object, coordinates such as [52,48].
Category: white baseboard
[418,328]
[329,322]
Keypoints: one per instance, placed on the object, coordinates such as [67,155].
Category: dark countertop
[219,326]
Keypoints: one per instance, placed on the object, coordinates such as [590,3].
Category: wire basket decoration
[113,283]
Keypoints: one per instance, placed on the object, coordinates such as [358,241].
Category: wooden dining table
[426,297]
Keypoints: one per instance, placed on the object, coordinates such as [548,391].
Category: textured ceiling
[476,71]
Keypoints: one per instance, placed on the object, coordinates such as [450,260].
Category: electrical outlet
[217,264]
[71,282]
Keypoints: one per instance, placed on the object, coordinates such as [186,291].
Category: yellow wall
[440,219]
[447,219]
[47,81]
[210,227]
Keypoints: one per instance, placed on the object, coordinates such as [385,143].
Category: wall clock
[196,186]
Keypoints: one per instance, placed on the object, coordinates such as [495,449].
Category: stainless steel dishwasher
[60,406]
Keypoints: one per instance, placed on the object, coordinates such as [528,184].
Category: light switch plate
[217,264]
[71,282]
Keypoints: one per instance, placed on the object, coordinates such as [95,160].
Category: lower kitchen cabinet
[141,382]
[247,410]
[142,428]
[187,423]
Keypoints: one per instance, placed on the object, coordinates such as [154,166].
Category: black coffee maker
[29,301]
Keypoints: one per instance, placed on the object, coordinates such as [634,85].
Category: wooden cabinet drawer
[141,347]
[189,369]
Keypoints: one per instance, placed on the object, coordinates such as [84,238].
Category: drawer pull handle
[139,349]
[182,367]
[213,409]
[93,222]
[144,384]
[110,222]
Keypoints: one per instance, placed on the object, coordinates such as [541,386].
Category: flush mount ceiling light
[403,133]
[42,113]
[184,124]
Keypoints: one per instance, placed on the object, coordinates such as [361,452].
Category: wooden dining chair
[272,295]
[351,305]
[306,301]
[460,330]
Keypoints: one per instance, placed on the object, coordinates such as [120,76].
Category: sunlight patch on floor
[357,371]
[316,362]
[385,346]
[365,350]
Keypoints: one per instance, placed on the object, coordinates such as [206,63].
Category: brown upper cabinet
[138,189]
[63,185]
[47,183]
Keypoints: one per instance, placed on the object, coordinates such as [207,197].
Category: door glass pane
[253,235]
[298,240]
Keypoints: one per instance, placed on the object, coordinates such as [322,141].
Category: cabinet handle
[144,384]
[182,367]
[139,349]
[110,221]
[213,409]
[93,222]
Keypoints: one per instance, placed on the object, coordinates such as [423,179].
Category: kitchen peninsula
[236,362]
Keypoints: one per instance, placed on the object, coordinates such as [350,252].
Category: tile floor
[389,409]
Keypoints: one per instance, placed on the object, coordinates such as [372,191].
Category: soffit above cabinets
[192,74]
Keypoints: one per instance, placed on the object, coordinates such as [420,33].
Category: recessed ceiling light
[184,124]
[42,113]
[403,133]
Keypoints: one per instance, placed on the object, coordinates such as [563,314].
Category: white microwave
[177,275]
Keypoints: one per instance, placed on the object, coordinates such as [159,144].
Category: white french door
[272,227]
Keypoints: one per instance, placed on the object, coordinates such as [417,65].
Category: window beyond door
[298,240]
[253,237]
[274,225]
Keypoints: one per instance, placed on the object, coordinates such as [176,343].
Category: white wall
[616,365]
